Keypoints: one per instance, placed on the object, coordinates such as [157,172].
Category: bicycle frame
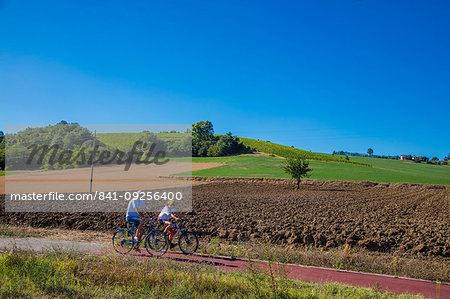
[178,229]
[148,229]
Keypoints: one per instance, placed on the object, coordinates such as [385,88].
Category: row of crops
[288,152]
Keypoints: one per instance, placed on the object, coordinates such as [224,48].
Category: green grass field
[382,170]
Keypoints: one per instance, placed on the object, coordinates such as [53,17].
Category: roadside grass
[3,173]
[344,258]
[72,275]
[16,232]
[382,170]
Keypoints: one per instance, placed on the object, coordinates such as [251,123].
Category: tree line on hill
[369,154]
[68,145]
[417,159]
[52,144]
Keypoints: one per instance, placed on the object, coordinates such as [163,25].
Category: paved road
[308,274]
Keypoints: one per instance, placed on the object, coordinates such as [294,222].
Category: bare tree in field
[297,167]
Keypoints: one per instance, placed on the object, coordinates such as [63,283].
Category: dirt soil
[106,178]
[404,219]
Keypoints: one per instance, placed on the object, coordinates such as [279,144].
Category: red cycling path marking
[398,285]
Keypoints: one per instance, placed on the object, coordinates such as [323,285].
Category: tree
[370,151]
[202,138]
[202,130]
[297,167]
[435,159]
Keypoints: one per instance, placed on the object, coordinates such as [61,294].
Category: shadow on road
[195,259]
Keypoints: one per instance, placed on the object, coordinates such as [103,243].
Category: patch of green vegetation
[290,152]
[382,171]
[65,274]
[242,166]
[123,141]
[3,173]
[9,232]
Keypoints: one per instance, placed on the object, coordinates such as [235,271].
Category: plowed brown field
[408,220]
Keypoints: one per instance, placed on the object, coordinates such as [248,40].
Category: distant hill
[124,140]
[64,145]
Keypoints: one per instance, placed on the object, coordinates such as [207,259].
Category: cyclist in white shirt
[135,212]
[165,216]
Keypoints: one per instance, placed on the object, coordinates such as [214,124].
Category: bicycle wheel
[123,240]
[156,243]
[188,242]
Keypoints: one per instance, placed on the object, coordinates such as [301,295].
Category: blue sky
[319,75]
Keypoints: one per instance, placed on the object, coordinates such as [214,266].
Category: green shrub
[206,144]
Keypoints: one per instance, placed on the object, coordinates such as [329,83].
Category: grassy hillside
[123,141]
[119,140]
[382,170]
[286,151]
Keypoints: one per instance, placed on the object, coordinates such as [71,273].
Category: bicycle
[155,241]
[187,241]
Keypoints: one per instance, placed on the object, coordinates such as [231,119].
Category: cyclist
[165,216]
[135,212]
